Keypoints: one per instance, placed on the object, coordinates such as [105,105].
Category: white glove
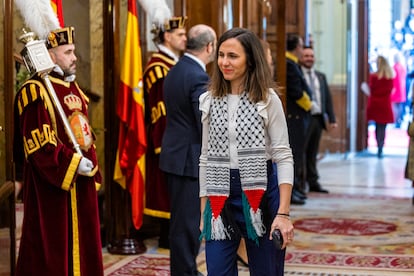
[85,166]
[315,108]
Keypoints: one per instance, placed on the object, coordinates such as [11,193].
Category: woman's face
[232,61]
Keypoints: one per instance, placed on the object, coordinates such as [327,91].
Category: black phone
[277,239]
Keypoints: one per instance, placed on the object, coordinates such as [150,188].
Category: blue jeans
[264,259]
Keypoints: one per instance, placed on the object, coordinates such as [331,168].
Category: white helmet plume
[38,16]
[158,11]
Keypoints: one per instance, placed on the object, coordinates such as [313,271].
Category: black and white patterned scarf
[251,148]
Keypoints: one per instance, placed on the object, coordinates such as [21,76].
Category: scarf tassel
[254,221]
[207,215]
[218,231]
[214,228]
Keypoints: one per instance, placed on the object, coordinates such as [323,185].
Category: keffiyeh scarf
[252,167]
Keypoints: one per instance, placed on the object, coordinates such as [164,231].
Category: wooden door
[7,202]
[362,75]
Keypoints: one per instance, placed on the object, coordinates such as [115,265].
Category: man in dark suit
[171,40]
[181,146]
[298,106]
[322,117]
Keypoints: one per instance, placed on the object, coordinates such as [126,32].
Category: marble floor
[364,173]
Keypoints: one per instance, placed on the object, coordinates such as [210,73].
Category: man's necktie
[311,82]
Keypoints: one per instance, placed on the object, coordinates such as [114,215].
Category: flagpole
[120,239]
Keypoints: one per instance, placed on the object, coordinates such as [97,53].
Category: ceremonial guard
[61,228]
[171,42]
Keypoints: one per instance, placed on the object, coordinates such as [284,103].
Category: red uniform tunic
[157,202]
[379,107]
[61,229]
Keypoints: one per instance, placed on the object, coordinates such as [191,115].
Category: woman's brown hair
[258,78]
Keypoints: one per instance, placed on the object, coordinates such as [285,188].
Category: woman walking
[245,138]
[379,109]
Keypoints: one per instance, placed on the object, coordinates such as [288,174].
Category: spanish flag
[130,162]
[57,7]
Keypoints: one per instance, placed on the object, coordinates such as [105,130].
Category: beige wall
[330,38]
[86,17]
[97,74]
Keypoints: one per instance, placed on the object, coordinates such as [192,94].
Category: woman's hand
[283,223]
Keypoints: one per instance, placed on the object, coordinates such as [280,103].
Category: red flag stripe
[57,7]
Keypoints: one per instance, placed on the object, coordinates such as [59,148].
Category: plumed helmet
[176,22]
[60,37]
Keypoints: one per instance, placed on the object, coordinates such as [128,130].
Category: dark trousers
[264,259]
[380,134]
[297,127]
[184,224]
[312,148]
